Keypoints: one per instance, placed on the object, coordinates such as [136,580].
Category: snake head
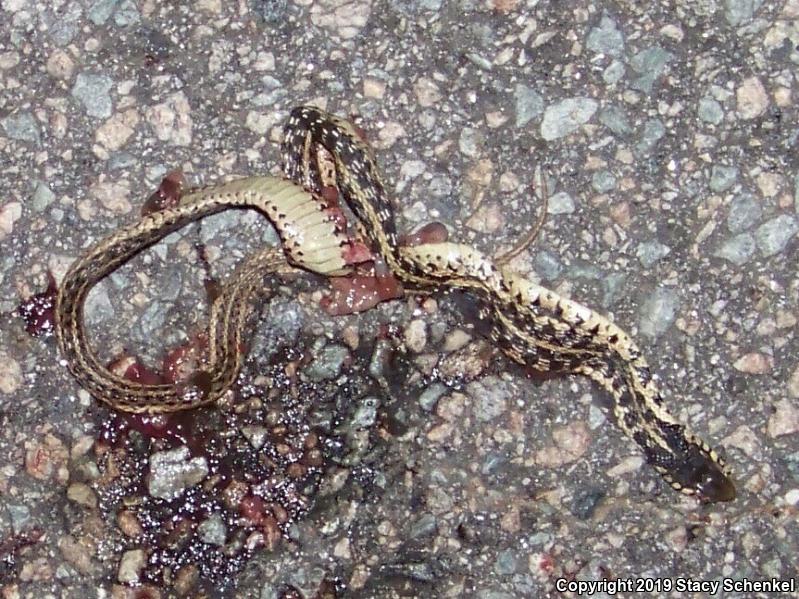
[703,476]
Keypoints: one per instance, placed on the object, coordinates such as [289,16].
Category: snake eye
[706,477]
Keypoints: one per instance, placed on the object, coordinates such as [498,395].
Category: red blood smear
[330,196]
[546,563]
[180,363]
[360,132]
[358,293]
[131,368]
[176,427]
[356,252]
[159,426]
[38,311]
[167,195]
[434,232]
[337,217]
[252,508]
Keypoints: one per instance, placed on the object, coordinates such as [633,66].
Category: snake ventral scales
[532,325]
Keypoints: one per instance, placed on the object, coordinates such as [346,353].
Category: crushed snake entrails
[532,325]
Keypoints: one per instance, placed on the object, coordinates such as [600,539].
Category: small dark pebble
[586,502]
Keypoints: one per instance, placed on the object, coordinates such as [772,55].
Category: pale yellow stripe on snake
[532,325]
[528,322]
[280,200]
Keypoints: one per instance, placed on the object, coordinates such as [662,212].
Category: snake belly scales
[532,325]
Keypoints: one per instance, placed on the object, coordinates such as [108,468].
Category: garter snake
[310,240]
[534,326]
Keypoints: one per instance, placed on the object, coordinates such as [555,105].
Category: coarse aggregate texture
[395,453]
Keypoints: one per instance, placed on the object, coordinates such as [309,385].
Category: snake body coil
[534,326]
[309,238]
